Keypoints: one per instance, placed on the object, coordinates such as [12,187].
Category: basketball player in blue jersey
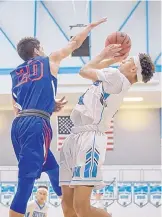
[34,86]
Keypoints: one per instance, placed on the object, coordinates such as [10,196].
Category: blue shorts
[31,137]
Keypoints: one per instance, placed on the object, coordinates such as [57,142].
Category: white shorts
[82,156]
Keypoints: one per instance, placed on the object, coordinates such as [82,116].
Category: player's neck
[132,80]
[35,55]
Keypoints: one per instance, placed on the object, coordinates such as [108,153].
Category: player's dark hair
[43,186]
[25,47]
[148,68]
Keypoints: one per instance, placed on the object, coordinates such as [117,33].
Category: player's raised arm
[91,69]
[108,62]
[75,42]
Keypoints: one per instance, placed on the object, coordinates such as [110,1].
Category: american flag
[64,125]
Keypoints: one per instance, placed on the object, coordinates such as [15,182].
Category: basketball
[119,38]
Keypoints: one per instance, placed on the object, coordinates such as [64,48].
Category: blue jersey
[33,86]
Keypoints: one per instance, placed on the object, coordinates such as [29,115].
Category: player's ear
[36,51]
[134,69]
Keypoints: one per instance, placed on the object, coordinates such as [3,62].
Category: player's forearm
[89,70]
[72,45]
[106,63]
[103,60]
[94,63]
[80,38]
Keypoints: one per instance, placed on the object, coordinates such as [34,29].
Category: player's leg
[91,148]
[67,201]
[29,133]
[82,206]
[65,177]
[19,203]
[54,179]
[51,167]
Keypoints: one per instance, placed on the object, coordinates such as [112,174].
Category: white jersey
[36,210]
[102,100]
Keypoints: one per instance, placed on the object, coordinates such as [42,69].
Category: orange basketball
[119,38]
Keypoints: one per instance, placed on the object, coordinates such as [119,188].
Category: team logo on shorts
[141,194]
[7,193]
[124,194]
[53,198]
[155,194]
[108,195]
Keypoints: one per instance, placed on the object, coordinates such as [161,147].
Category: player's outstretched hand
[60,103]
[111,51]
[94,24]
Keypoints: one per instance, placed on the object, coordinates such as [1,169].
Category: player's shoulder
[112,71]
[31,61]
[113,74]
[47,206]
[114,80]
[31,203]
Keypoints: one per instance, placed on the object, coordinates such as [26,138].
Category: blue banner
[7,192]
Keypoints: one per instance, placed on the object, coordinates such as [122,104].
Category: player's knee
[54,178]
[67,207]
[81,207]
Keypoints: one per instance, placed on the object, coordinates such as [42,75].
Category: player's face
[41,196]
[127,64]
[128,67]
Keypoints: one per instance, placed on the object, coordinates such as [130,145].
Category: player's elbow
[88,73]
[83,72]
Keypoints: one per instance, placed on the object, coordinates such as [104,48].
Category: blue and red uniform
[33,89]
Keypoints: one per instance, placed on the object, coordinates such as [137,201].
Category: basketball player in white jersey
[84,150]
[38,207]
